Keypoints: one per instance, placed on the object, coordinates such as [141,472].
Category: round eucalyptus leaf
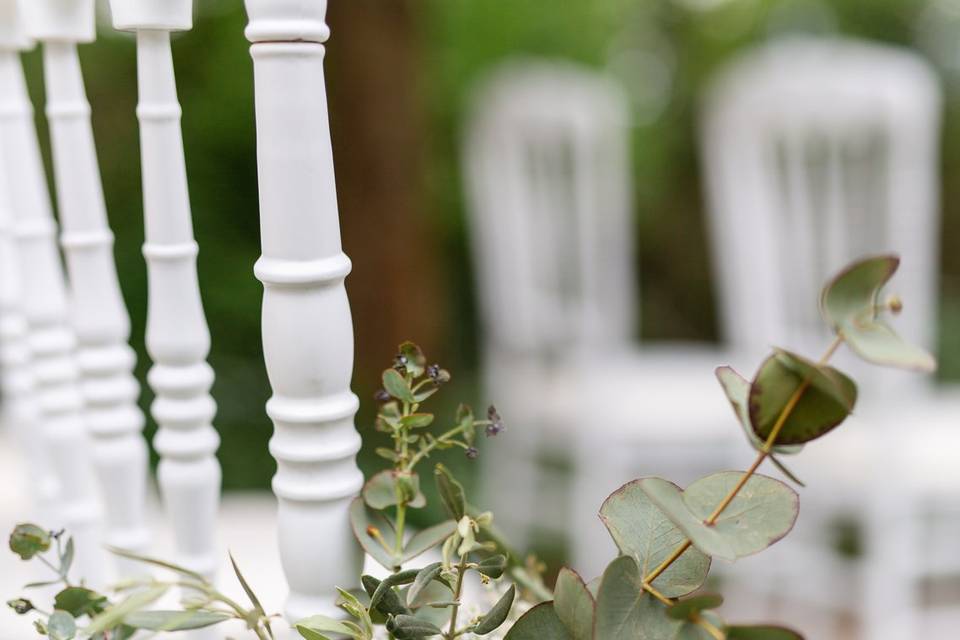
[386,488]
[625,610]
[851,304]
[641,530]
[61,626]
[27,540]
[539,623]
[369,528]
[686,609]
[826,399]
[762,513]
[763,632]
[79,601]
[737,390]
[574,604]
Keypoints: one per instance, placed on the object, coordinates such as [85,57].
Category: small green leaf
[129,555]
[574,604]
[389,454]
[466,420]
[763,512]
[396,385]
[737,390]
[851,305]
[765,632]
[417,420]
[451,492]
[424,577]
[61,626]
[78,601]
[625,610]
[687,609]
[497,615]
[27,540]
[413,358]
[369,528]
[408,627]
[387,487]
[640,529]
[827,398]
[427,539]
[174,620]
[250,594]
[382,596]
[116,614]
[314,627]
[66,558]
[493,567]
[539,623]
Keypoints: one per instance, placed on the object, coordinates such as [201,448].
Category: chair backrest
[818,151]
[546,158]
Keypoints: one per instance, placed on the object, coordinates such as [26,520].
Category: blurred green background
[399,74]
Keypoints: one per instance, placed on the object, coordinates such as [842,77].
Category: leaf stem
[709,627]
[761,456]
[420,455]
[458,590]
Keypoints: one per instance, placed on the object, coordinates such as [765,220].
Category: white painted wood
[547,168]
[796,190]
[178,338]
[52,339]
[307,329]
[98,312]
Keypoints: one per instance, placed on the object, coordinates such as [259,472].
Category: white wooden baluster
[307,329]
[52,340]
[178,338]
[99,315]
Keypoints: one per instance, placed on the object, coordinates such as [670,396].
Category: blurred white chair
[548,174]
[818,151]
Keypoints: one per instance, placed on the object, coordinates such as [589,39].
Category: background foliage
[400,73]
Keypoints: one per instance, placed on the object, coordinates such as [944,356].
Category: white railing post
[52,340]
[99,314]
[307,329]
[178,338]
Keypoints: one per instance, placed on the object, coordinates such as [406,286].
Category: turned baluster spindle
[307,329]
[51,336]
[99,315]
[178,338]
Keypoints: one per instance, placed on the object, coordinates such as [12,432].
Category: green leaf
[386,586]
[27,540]
[396,385]
[382,597]
[451,492]
[492,620]
[493,567]
[129,555]
[827,398]
[61,626]
[417,420]
[763,512]
[640,529]
[427,539]
[765,632]
[574,604]
[314,627]
[381,491]
[78,601]
[257,607]
[625,610]
[466,420]
[364,522]
[687,609]
[851,305]
[737,390]
[539,623]
[116,614]
[174,620]
[406,627]
[423,605]
[66,558]
[414,360]
[424,577]
[389,454]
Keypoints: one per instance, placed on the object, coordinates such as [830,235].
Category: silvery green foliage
[666,535]
[81,613]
